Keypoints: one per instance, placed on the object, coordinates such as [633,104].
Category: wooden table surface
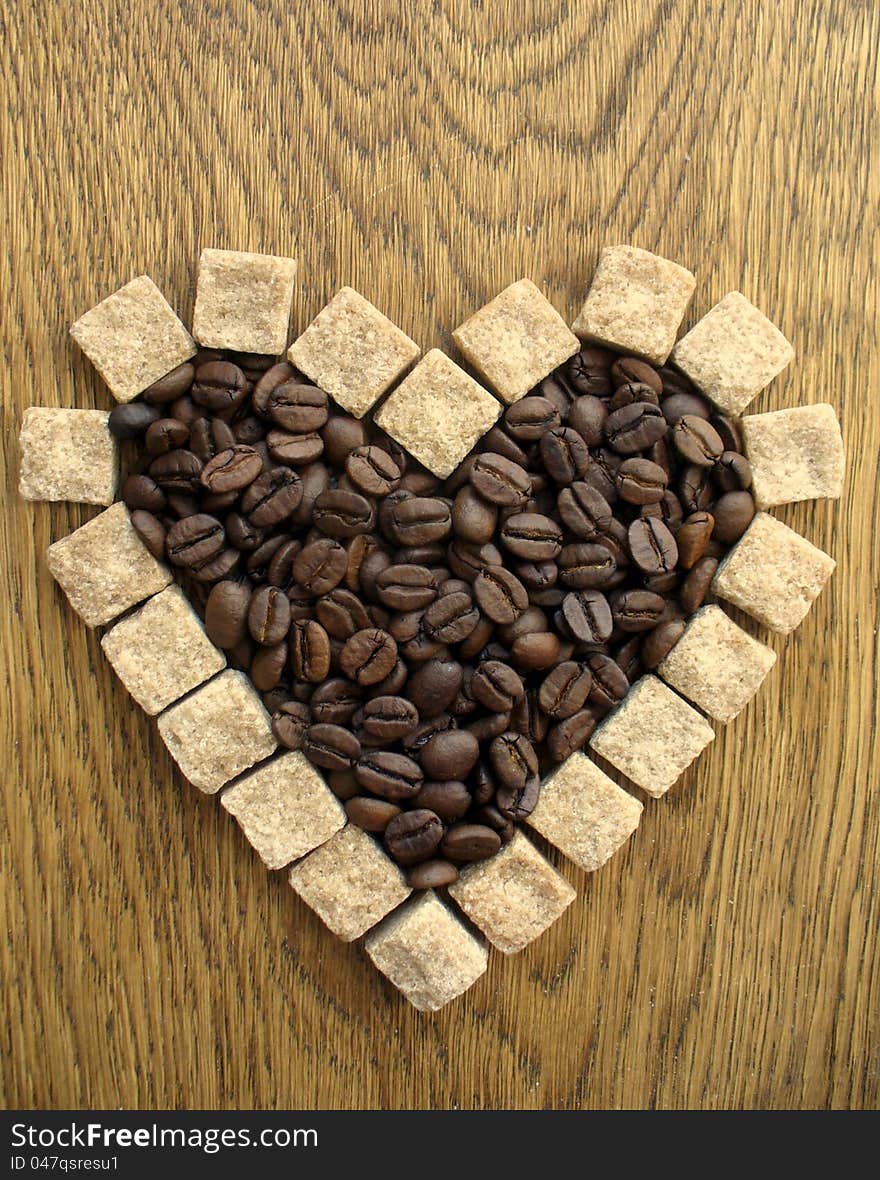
[428,154]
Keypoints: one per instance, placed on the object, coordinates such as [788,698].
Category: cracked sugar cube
[133,338]
[653,736]
[104,567]
[438,413]
[635,303]
[516,340]
[795,454]
[68,455]
[350,883]
[353,352]
[773,574]
[285,809]
[584,813]
[243,301]
[161,651]
[218,731]
[513,897]
[717,665]
[427,953]
[732,353]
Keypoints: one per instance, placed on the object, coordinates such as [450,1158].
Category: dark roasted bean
[634,427]
[413,836]
[587,615]
[500,594]
[194,540]
[289,724]
[660,642]
[170,387]
[693,537]
[269,616]
[219,386]
[372,470]
[567,736]
[499,480]
[451,618]
[372,815]
[470,842]
[151,531]
[432,874]
[585,566]
[697,441]
[368,656]
[627,369]
[733,514]
[696,585]
[131,419]
[564,691]
[564,454]
[639,481]
[389,775]
[531,536]
[636,610]
[652,546]
[332,747]
[406,587]
[272,496]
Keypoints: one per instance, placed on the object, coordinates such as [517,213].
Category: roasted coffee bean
[219,386]
[368,656]
[299,409]
[335,701]
[320,566]
[676,405]
[589,371]
[194,540]
[269,380]
[499,480]
[662,583]
[131,419]
[434,685]
[177,471]
[272,497]
[518,802]
[259,559]
[269,616]
[208,437]
[530,417]
[182,504]
[186,411]
[610,684]
[584,510]
[289,724]
[585,566]
[294,450]
[639,481]
[151,531]
[420,520]
[341,613]
[732,472]
[406,587]
[634,427]
[536,651]
[567,736]
[500,594]
[633,391]
[372,815]
[498,442]
[389,717]
[467,561]
[669,510]
[432,874]
[309,651]
[231,470]
[695,489]
[332,747]
[413,836]
[343,784]
[628,655]
[226,613]
[537,575]
[473,518]
[627,369]
[693,537]
[514,761]
[674,381]
[496,686]
[564,454]
[341,514]
[477,640]
[696,585]
[660,642]
[389,775]
[449,799]
[564,691]
[697,441]
[636,610]
[451,618]
[531,536]
[372,470]
[587,416]
[279,572]
[733,514]
[470,842]
[602,473]
[449,755]
[425,730]
[652,546]
[728,431]
[164,435]
[267,666]
[170,387]
[587,615]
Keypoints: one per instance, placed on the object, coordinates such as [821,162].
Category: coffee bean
[518,802]
[164,435]
[231,470]
[194,540]
[728,431]
[219,386]
[389,717]
[434,685]
[695,488]
[587,615]
[633,391]
[389,775]
[589,371]
[634,427]
[335,701]
[372,815]
[451,618]
[299,409]
[272,497]
[564,691]
[500,594]
[610,684]
[208,437]
[536,651]
[418,520]
[676,405]
[587,416]
[226,613]
[368,656]
[531,536]
[406,587]
[372,470]
[289,724]
[628,369]
[584,510]
[269,380]
[260,558]
[639,481]
[432,874]
[513,761]
[732,472]
[499,480]
[340,514]
[332,747]
[449,799]
[151,531]
[449,755]
[470,842]
[489,815]
[636,610]
[696,585]
[652,546]
[584,566]
[269,616]
[697,441]
[529,418]
[567,736]
[267,666]
[564,454]
[341,613]
[170,387]
[320,566]
[413,836]
[496,686]
[693,537]
[343,784]
[733,514]
[177,471]
[309,651]
[131,420]
[295,450]
[660,642]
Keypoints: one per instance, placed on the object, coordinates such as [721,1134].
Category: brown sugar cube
[584,813]
[104,567]
[243,301]
[285,809]
[350,883]
[68,455]
[636,303]
[513,897]
[438,413]
[133,338]
[795,455]
[427,953]
[353,352]
[161,651]
[218,731]
[732,353]
[653,736]
[773,574]
[516,340]
[717,665]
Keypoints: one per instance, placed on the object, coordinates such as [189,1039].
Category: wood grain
[427,154]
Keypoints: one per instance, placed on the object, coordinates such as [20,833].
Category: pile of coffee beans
[437,647]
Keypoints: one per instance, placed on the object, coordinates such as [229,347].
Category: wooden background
[427,154]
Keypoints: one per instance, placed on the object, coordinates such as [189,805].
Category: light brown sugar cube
[773,574]
[513,897]
[353,352]
[732,353]
[438,413]
[218,731]
[516,340]
[350,883]
[795,455]
[68,455]
[653,736]
[104,567]
[243,301]
[133,338]
[717,665]
[161,651]
[427,953]
[636,303]
[584,813]
[285,809]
